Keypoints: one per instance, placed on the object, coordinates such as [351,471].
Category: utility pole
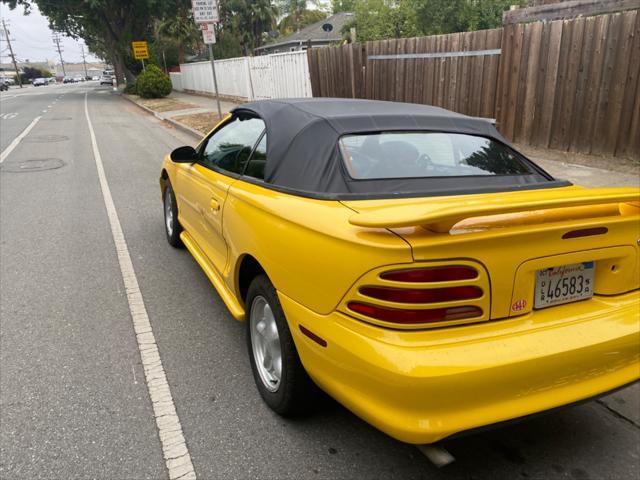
[85,63]
[215,80]
[13,57]
[56,42]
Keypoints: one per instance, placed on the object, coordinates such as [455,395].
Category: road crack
[617,414]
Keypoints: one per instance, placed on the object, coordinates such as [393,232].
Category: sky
[31,38]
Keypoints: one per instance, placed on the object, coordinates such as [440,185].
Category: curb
[195,133]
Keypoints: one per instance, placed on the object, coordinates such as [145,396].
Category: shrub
[131,89]
[153,83]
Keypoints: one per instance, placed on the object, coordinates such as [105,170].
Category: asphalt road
[73,398]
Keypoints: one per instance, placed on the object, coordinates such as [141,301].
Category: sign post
[140,51]
[205,13]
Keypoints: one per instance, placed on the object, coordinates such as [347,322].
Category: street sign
[205,11]
[140,50]
[208,33]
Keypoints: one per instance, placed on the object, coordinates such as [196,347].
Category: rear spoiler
[440,215]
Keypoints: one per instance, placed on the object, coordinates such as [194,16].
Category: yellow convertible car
[409,262]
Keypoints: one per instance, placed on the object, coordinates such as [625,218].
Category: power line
[13,57]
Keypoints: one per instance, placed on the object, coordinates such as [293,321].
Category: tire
[292,392]
[172,226]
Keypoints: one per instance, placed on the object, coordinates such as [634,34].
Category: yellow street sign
[140,50]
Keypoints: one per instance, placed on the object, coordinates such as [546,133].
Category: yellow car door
[203,186]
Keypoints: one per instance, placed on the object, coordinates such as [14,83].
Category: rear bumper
[420,387]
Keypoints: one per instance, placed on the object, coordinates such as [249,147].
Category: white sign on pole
[208,33]
[205,11]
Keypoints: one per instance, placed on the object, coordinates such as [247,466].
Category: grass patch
[202,122]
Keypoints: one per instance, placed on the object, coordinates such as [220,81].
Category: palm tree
[297,13]
[251,19]
[180,28]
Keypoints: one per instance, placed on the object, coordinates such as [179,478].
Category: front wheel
[280,377]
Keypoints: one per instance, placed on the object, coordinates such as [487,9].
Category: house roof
[315,32]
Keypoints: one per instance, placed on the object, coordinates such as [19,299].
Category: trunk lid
[515,234]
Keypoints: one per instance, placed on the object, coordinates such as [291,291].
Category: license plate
[564,284]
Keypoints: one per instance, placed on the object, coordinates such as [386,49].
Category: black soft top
[303,154]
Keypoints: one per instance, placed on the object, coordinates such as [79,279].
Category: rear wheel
[172,226]
[279,375]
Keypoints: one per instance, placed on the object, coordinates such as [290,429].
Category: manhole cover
[46,138]
[33,165]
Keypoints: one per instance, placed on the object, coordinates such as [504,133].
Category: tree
[178,28]
[447,16]
[251,20]
[289,24]
[107,25]
[29,73]
[298,15]
[378,19]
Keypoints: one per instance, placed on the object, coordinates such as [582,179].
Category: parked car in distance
[95,77]
[106,80]
[51,80]
[67,79]
[38,82]
[4,85]
[408,261]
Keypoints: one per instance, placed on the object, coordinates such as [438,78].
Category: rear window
[427,154]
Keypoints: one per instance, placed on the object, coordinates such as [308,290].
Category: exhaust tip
[436,454]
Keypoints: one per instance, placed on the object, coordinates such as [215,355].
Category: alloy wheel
[265,343]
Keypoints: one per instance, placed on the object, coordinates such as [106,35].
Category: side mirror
[184,155]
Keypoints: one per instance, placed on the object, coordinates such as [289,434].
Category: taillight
[422,295]
[431,274]
[410,317]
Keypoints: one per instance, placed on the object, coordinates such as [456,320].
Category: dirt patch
[162,104]
[202,122]
[613,164]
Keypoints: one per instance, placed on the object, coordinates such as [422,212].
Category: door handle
[214,205]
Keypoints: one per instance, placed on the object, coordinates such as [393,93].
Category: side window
[258,160]
[229,148]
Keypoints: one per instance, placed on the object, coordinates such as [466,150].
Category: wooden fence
[573,84]
[415,70]
[566,84]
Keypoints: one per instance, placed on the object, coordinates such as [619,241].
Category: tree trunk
[129,75]
[118,66]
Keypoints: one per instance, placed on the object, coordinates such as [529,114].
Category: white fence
[176,80]
[280,75]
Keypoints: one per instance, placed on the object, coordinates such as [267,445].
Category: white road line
[17,140]
[174,446]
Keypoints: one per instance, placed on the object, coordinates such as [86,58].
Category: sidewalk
[195,114]
[586,170]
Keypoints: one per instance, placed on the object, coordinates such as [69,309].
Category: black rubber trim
[387,195]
